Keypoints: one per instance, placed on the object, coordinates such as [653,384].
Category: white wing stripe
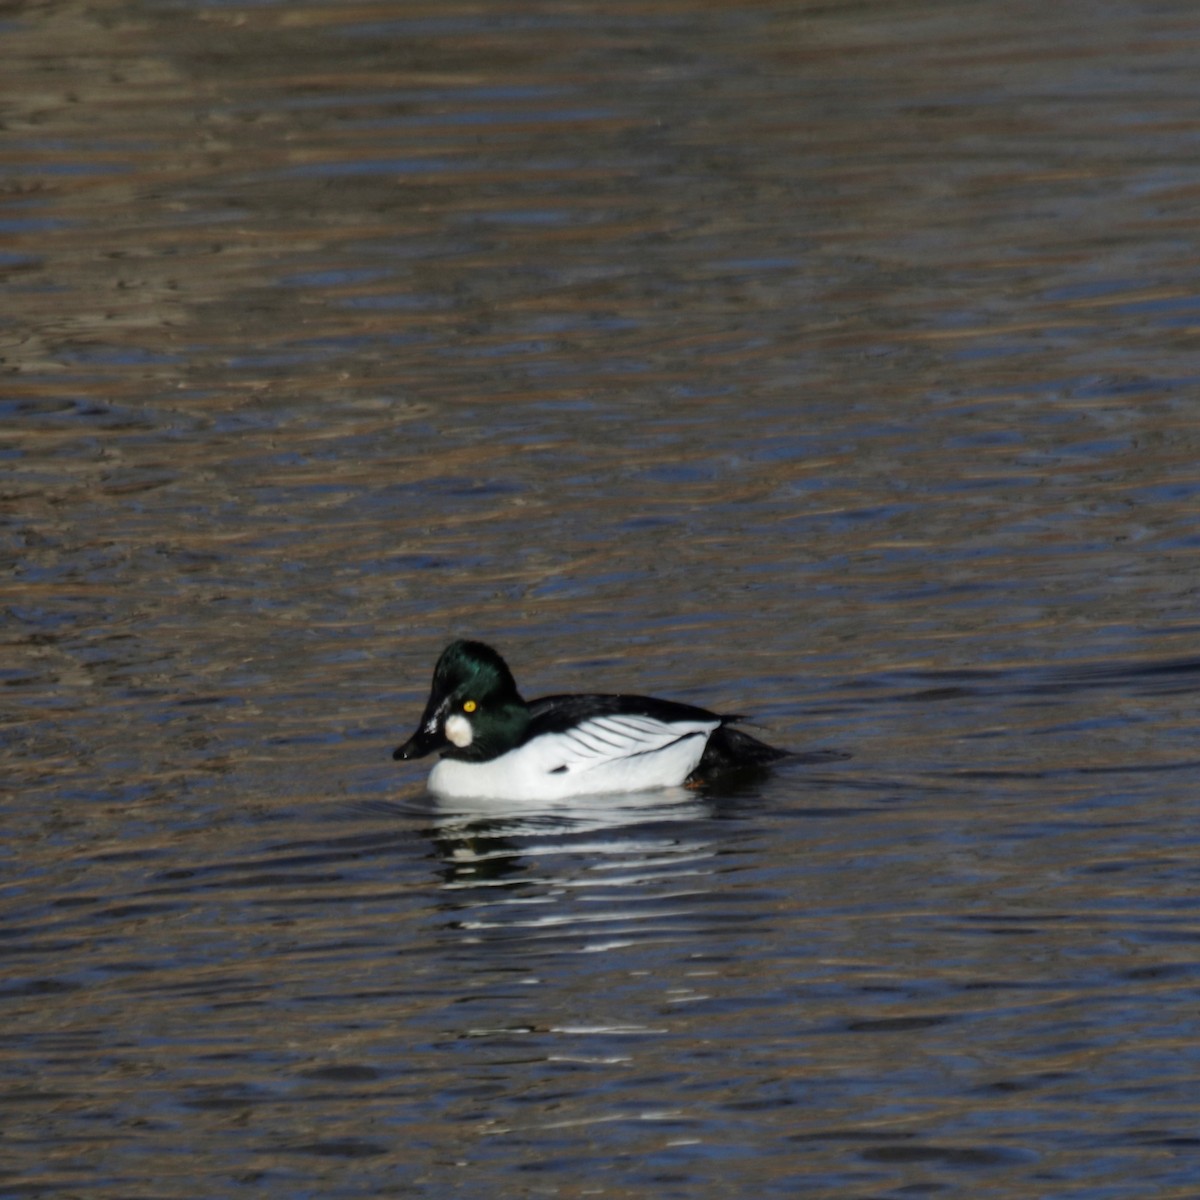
[593,732]
[592,745]
[583,738]
[626,735]
[602,741]
[632,725]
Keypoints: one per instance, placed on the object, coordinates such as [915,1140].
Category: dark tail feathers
[730,749]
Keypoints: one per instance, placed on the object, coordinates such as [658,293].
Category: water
[836,364]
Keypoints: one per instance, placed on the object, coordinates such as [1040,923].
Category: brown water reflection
[833,363]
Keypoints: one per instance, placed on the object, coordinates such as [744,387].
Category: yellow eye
[469,706]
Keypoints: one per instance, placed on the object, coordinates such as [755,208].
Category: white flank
[620,753]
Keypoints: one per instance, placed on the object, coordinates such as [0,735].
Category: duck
[496,745]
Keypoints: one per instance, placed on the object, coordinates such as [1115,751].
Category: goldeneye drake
[494,744]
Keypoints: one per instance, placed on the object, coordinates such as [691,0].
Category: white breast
[622,753]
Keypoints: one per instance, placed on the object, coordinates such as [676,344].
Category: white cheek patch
[459,731]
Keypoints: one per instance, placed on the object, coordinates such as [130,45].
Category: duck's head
[474,712]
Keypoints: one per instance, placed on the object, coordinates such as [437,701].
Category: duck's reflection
[485,843]
[602,873]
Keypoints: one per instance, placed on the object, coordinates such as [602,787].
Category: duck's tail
[730,749]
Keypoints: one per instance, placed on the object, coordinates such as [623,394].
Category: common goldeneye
[494,744]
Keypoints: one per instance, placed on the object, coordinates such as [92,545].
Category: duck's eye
[469,706]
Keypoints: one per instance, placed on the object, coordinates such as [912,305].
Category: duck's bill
[420,744]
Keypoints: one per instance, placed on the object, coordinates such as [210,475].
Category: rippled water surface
[835,363]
